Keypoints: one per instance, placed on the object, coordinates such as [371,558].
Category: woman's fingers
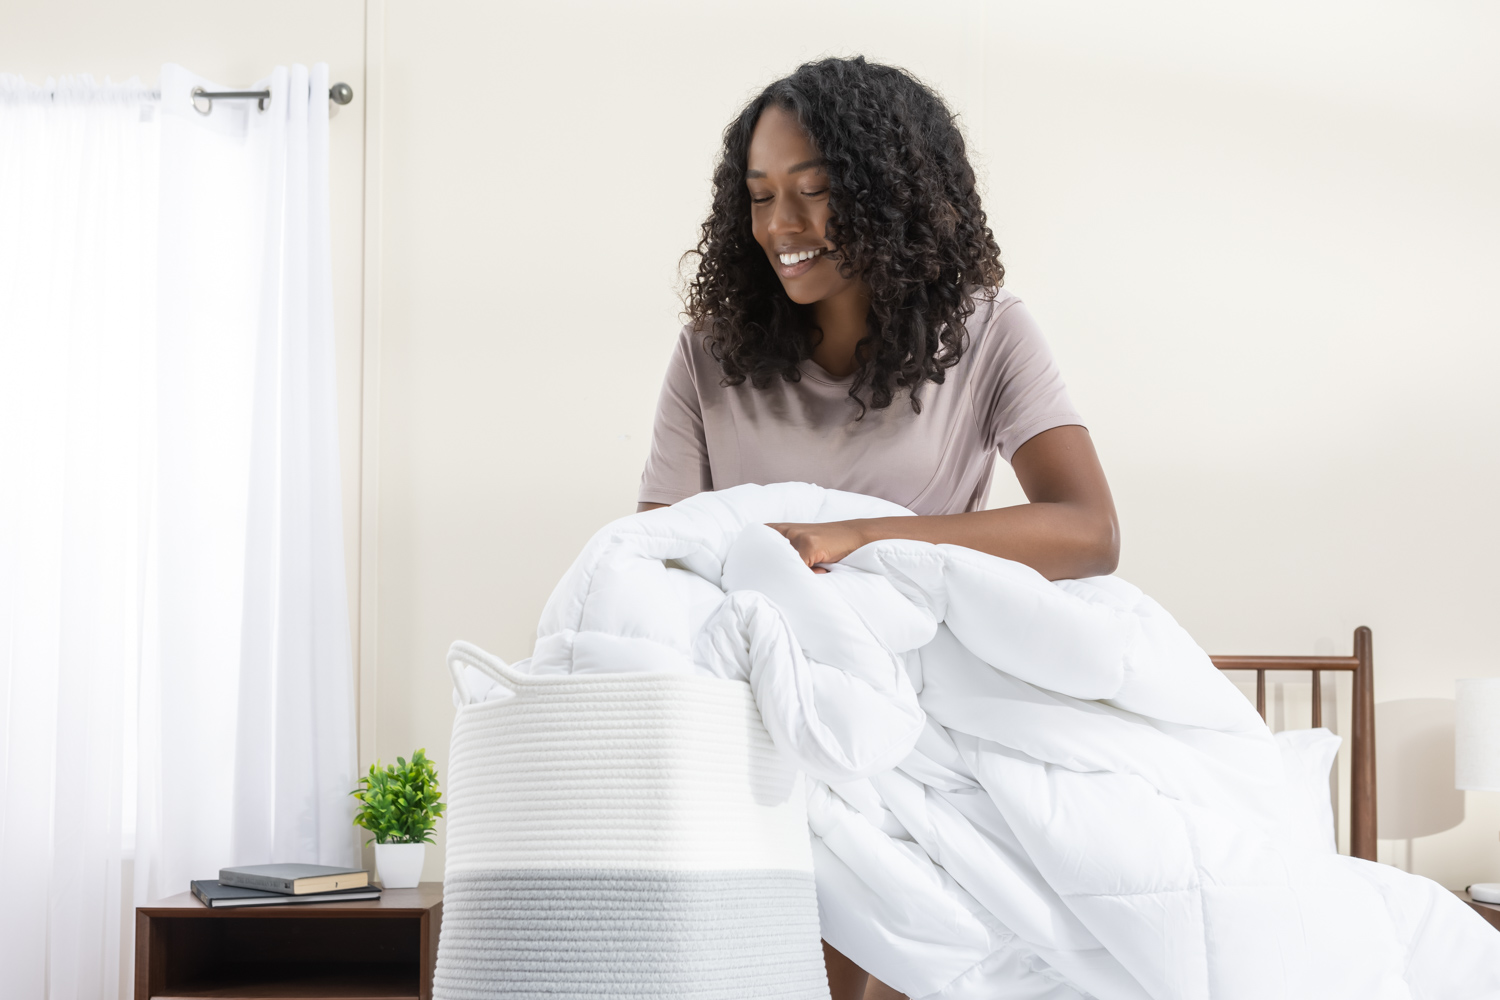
[804,540]
[820,543]
[806,544]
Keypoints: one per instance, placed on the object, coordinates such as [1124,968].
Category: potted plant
[400,805]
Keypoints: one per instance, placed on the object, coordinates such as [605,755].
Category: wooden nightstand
[383,948]
[1488,911]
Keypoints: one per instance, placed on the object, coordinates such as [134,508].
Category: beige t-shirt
[1004,391]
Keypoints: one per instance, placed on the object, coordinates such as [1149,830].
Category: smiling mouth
[796,263]
[798,256]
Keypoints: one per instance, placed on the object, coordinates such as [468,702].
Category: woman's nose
[785,218]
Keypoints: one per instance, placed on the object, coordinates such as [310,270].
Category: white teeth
[795,258]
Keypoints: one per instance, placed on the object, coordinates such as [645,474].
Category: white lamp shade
[1476,735]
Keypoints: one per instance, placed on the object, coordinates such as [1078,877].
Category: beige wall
[1261,240]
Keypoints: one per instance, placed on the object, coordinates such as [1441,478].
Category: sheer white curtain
[77,227]
[175,676]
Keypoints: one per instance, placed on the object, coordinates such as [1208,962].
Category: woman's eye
[759,200]
[814,194]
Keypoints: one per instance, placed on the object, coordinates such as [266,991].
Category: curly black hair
[906,219]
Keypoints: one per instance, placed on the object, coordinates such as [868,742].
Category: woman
[848,329]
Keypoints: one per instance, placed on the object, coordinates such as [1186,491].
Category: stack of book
[272,885]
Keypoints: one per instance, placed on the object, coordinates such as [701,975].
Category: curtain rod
[339,93]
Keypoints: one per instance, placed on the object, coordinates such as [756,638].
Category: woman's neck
[842,320]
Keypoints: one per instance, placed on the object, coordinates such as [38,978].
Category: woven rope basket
[623,835]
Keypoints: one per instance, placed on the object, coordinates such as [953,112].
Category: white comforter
[1024,789]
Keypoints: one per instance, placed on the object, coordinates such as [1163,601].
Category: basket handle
[465,654]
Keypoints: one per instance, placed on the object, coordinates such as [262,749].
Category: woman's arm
[1068,530]
[642,507]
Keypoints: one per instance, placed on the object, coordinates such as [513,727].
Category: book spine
[242,881]
[198,892]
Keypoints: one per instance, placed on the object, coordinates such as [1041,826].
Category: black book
[210,892]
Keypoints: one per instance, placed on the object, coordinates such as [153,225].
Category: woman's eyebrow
[793,169]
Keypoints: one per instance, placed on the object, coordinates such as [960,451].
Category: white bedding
[1022,789]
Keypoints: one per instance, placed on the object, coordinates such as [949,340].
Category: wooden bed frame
[1362,739]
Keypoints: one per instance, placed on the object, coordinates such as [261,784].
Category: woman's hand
[827,542]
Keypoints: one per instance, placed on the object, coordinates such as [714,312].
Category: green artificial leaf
[400,802]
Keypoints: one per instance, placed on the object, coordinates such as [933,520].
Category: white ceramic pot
[399,865]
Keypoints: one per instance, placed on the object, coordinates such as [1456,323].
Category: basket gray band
[563,934]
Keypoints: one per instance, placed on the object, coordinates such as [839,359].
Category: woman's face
[789,210]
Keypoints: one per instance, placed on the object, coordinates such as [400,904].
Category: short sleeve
[1017,389]
[677,467]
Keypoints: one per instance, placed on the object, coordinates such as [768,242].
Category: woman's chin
[807,293]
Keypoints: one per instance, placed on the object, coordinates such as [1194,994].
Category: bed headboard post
[1362,737]
[1362,829]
